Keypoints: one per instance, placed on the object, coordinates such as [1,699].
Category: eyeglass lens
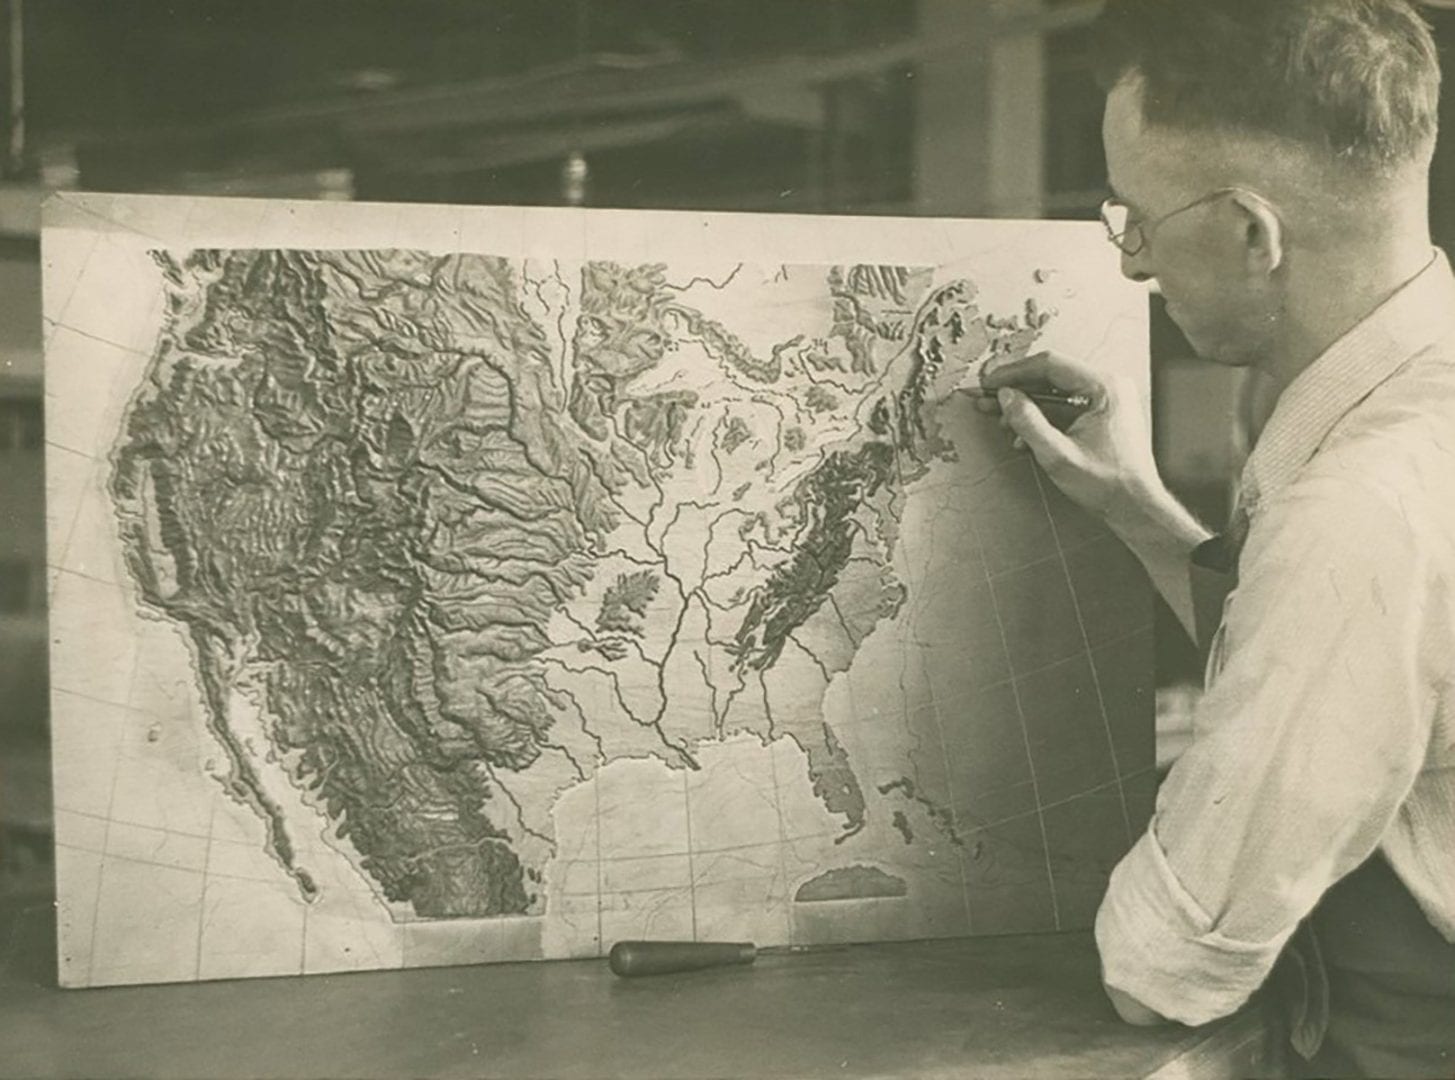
[1117,219]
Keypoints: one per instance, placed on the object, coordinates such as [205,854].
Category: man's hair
[1357,79]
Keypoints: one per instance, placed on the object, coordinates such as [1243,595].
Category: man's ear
[1262,232]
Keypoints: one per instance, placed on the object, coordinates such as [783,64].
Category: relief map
[531,593]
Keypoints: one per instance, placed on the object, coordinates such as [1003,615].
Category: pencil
[1064,398]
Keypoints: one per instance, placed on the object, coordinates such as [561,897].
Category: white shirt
[1328,727]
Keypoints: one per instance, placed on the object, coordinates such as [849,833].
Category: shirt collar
[1420,313]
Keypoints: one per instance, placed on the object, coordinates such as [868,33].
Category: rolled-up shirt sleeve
[1160,946]
[1305,747]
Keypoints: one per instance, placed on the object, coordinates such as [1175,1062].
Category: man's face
[1198,257]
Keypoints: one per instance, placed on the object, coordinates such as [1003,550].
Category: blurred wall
[24,763]
[20,339]
[22,496]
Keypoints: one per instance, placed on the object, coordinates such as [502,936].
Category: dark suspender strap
[1214,574]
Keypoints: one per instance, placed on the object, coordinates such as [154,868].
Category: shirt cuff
[1159,946]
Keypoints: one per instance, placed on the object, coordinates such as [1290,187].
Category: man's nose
[1137,267]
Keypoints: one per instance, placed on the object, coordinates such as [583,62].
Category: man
[1269,163]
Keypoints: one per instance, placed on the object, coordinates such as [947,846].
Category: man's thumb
[1027,421]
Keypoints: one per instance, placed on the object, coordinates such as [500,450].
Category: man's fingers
[1043,368]
[1031,427]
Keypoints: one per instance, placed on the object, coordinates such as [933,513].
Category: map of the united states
[467,530]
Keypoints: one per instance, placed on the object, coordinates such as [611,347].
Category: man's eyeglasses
[1132,236]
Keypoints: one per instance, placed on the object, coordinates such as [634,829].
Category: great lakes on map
[467,529]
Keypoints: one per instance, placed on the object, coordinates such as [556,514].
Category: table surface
[987,1007]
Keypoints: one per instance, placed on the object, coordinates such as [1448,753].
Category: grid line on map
[783,840]
[110,810]
[1090,655]
[122,226]
[64,305]
[934,705]
[68,539]
[51,444]
[202,896]
[303,941]
[1025,736]
[938,721]
[600,866]
[105,584]
[691,871]
[105,849]
[104,340]
[83,696]
[65,544]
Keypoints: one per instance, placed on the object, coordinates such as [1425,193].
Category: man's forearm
[1162,533]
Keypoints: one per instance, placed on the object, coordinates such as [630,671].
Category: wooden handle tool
[632,958]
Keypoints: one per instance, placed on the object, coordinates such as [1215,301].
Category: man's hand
[1103,459]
